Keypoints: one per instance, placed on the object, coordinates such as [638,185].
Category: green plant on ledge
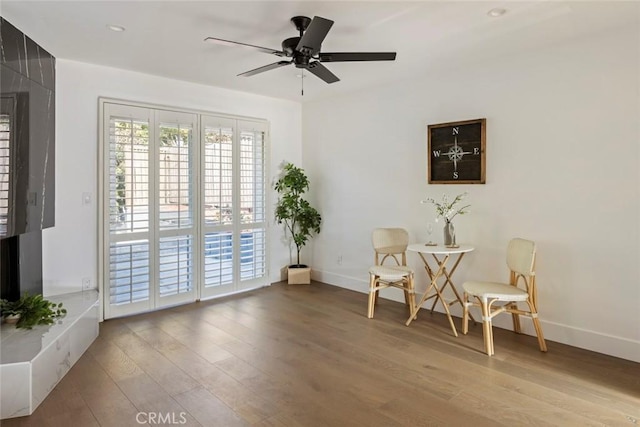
[33,310]
[299,218]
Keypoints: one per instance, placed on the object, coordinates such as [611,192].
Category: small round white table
[441,255]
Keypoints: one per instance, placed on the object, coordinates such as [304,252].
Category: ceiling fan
[304,50]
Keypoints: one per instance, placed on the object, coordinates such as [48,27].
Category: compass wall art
[456,152]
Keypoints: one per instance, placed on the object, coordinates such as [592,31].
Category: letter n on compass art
[456,152]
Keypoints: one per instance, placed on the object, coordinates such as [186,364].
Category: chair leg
[516,320]
[407,298]
[412,296]
[538,327]
[465,313]
[372,295]
[487,333]
[493,351]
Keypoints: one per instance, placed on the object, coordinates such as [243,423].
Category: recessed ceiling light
[494,13]
[116,28]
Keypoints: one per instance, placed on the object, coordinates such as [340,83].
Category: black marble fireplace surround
[27,159]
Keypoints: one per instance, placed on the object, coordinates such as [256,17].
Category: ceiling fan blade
[232,43]
[265,68]
[314,35]
[356,56]
[323,72]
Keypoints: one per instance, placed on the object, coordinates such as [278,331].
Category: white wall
[70,248]
[562,169]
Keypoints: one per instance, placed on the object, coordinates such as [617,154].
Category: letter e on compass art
[456,152]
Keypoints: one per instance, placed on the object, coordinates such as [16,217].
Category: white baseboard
[611,345]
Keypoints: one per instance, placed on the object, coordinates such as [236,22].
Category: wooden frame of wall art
[456,152]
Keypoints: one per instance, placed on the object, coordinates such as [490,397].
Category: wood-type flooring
[288,356]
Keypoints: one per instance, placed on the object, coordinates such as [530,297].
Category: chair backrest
[389,242]
[521,256]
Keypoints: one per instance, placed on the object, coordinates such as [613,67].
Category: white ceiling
[165,38]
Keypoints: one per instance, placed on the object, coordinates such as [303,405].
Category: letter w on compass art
[456,152]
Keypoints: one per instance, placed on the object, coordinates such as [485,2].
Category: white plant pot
[12,319]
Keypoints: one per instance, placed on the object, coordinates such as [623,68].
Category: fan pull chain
[302,82]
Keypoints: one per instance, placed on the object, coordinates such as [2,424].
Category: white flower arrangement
[446,209]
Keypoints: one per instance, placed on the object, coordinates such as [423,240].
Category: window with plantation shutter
[183,198]
[176,208]
[5,170]
[218,196]
[175,183]
[234,203]
[252,205]
[176,265]
[252,254]
[129,211]
[7,135]
[218,175]
[218,259]
[129,175]
[129,272]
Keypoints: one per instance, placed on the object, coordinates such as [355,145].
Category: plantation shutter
[183,207]
[8,106]
[234,205]
[218,205]
[5,171]
[252,202]
[176,207]
[130,235]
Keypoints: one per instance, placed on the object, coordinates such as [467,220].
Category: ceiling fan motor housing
[289,45]
[300,59]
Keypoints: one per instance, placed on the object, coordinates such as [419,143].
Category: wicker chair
[521,256]
[390,245]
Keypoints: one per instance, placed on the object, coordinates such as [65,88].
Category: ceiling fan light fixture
[116,28]
[496,12]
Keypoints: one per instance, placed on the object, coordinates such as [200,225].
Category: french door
[234,193]
[183,207]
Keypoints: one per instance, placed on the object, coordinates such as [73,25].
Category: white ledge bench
[33,361]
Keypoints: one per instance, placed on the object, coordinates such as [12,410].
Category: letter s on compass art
[456,152]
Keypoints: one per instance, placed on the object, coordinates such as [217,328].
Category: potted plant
[447,210]
[31,310]
[9,311]
[300,220]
